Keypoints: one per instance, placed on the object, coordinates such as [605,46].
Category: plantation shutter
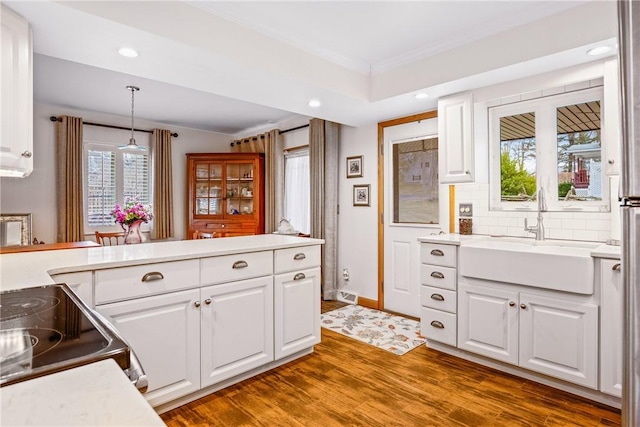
[101,187]
[136,177]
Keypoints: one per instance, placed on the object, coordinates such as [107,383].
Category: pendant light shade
[132,141]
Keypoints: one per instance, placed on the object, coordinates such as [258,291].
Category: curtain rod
[292,129]
[55,119]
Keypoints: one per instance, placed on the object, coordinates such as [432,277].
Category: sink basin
[560,265]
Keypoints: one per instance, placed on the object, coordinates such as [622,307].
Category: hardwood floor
[348,383]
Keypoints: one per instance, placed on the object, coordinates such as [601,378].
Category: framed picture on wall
[354,167]
[361,195]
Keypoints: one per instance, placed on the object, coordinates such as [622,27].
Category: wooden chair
[110,239]
[202,235]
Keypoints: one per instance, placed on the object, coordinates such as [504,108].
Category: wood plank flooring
[348,383]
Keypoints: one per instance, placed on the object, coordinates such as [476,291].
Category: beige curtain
[69,179]
[162,177]
[324,138]
[273,145]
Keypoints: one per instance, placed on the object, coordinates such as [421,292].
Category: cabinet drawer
[230,268]
[431,253]
[141,280]
[440,277]
[296,258]
[438,299]
[438,325]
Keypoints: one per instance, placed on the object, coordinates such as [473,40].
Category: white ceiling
[236,65]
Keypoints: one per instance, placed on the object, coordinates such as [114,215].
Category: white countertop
[28,269]
[98,394]
[602,251]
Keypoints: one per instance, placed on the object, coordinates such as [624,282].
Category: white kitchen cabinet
[237,328]
[559,338]
[438,279]
[297,311]
[455,135]
[488,322]
[611,326]
[612,119]
[16,95]
[553,336]
[164,331]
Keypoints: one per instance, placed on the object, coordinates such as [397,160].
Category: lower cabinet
[297,311]
[552,336]
[611,327]
[237,328]
[164,331]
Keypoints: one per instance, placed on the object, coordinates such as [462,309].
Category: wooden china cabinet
[226,193]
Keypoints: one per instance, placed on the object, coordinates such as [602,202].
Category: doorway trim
[381,128]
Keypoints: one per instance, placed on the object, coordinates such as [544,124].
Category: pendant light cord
[132,89]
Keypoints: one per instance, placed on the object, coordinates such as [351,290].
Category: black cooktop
[47,329]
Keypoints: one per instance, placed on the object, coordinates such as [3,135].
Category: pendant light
[132,141]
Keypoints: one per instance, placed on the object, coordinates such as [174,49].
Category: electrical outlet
[465,209]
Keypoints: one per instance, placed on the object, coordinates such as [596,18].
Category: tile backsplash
[588,226]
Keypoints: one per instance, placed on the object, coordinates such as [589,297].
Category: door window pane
[518,157]
[579,152]
[415,182]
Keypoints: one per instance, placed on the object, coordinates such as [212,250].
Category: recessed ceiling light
[314,103]
[599,50]
[128,52]
[421,95]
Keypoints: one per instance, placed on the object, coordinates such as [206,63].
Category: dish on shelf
[288,233]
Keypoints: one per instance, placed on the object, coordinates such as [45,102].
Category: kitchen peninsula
[200,314]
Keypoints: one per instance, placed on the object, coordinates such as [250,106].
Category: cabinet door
[559,338]
[611,325]
[164,331]
[488,322]
[81,283]
[16,95]
[455,133]
[237,328]
[297,311]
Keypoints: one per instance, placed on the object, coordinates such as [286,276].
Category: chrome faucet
[538,229]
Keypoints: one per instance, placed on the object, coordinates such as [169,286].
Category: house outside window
[111,176]
[553,143]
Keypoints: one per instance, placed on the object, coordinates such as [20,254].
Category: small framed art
[354,167]
[361,195]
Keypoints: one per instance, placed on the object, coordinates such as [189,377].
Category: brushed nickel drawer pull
[437,297]
[299,256]
[437,252]
[299,276]
[616,267]
[154,275]
[240,264]
[437,275]
[437,324]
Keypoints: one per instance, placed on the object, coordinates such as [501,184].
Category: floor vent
[350,297]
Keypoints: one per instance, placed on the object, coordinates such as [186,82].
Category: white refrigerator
[629,52]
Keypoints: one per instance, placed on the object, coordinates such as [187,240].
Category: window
[297,189]
[552,143]
[111,176]
[415,181]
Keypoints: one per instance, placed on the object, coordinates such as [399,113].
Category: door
[164,331]
[559,338]
[611,326]
[297,311]
[414,206]
[488,322]
[237,328]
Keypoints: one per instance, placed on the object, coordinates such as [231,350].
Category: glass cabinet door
[209,188]
[239,190]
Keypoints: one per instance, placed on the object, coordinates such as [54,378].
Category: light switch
[465,209]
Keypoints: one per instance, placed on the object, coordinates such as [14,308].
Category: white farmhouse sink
[559,265]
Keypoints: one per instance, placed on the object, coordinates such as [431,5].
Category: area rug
[389,332]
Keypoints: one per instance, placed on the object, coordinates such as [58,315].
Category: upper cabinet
[16,95]
[611,119]
[226,193]
[455,133]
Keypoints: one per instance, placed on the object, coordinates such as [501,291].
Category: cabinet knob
[467,172]
[207,301]
[27,154]
[197,304]
[523,306]
[512,303]
[611,161]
